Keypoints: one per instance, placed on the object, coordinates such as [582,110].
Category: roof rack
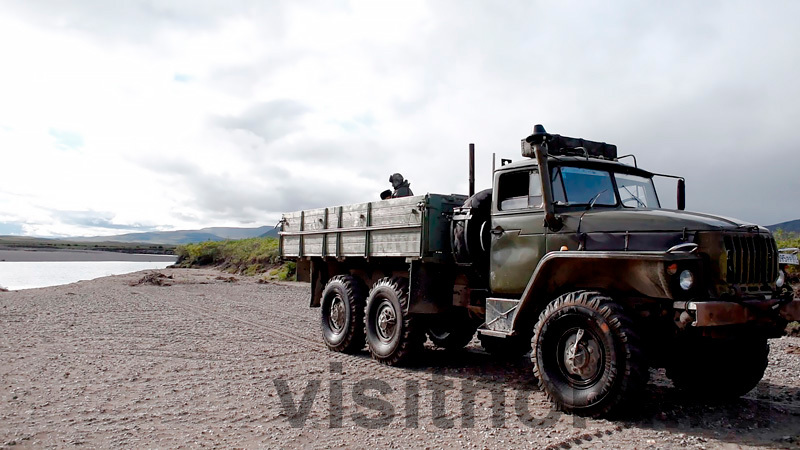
[563,145]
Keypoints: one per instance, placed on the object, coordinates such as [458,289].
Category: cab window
[579,186]
[519,190]
[636,191]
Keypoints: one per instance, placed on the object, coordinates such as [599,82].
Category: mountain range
[792,226]
[185,236]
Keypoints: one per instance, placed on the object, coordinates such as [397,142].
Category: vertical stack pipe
[471,170]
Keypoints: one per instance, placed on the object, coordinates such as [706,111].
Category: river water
[32,274]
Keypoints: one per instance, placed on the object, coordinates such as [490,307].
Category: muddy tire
[452,331]
[393,336]
[342,314]
[586,356]
[719,369]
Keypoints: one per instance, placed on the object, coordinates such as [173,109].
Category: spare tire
[470,229]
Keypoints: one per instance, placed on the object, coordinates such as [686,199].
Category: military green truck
[569,257]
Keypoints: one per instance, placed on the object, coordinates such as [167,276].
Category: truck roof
[582,161]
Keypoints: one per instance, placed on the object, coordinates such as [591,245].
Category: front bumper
[716,313]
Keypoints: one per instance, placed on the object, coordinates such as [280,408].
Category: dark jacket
[403,190]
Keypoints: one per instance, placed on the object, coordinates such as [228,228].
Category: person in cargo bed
[400,185]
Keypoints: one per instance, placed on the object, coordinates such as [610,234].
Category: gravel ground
[210,360]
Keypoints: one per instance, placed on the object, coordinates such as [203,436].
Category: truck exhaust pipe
[471,170]
[537,145]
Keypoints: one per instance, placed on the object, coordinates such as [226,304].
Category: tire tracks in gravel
[367,366]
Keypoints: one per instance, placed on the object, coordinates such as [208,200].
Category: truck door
[517,231]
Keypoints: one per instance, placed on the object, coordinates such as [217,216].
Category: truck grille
[751,259]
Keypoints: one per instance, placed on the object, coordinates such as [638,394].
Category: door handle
[497,230]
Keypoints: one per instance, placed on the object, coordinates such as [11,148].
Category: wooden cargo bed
[413,227]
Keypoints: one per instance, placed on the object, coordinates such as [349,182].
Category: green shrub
[286,272]
[246,256]
[788,240]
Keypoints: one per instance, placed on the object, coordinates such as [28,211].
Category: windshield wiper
[641,203]
[596,197]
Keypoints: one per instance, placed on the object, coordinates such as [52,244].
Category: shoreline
[66,255]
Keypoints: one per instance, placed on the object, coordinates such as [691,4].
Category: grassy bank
[789,240]
[785,239]
[246,256]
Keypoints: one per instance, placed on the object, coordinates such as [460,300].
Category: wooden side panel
[403,242]
[291,245]
[354,216]
[312,245]
[353,243]
[291,221]
[314,219]
[398,211]
[325,230]
[330,245]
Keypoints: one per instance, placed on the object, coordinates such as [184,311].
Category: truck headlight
[686,280]
[781,279]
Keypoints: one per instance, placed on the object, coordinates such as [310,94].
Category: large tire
[719,369]
[342,314]
[393,336]
[586,355]
[507,348]
[470,238]
[453,330]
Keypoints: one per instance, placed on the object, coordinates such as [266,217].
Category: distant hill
[237,233]
[185,236]
[273,232]
[792,226]
[28,242]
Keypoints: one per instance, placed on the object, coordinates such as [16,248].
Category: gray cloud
[139,22]
[263,196]
[270,120]
[96,219]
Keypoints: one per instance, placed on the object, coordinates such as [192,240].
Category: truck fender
[635,273]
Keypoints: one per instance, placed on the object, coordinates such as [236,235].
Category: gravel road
[210,360]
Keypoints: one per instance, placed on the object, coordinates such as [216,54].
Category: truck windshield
[581,186]
[635,191]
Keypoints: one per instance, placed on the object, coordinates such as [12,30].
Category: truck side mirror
[681,194]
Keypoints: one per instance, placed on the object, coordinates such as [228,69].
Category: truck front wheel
[342,314]
[586,355]
[393,336]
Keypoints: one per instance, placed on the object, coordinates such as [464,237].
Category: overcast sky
[136,116]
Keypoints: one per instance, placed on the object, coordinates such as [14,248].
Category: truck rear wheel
[393,336]
[342,314]
[719,369]
[586,355]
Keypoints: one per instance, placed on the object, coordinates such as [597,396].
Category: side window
[558,186]
[519,190]
[535,190]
